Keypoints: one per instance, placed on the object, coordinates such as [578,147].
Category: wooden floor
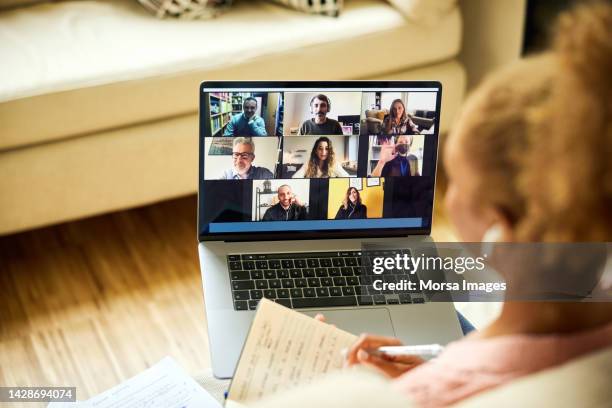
[93,302]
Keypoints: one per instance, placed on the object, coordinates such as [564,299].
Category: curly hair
[539,132]
[314,164]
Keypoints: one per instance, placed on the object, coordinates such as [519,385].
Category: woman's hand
[361,353]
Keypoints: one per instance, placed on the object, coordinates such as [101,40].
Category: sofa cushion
[85,66]
[328,8]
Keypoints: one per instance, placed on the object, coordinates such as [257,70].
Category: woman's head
[530,151]
[322,157]
[352,196]
[398,109]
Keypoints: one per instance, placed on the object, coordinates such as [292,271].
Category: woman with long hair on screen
[352,208]
[398,121]
[322,162]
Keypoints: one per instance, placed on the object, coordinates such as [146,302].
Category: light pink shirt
[473,364]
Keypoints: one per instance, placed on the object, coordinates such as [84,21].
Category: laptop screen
[308,159]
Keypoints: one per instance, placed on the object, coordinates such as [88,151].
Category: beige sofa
[98,100]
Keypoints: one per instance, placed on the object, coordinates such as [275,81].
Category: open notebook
[284,348]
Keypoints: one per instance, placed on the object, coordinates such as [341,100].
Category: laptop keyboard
[314,279]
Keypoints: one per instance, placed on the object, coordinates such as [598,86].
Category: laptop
[297,182]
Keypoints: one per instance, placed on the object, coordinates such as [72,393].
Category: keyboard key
[334,272]
[338,262]
[322,292]
[404,298]
[339,281]
[308,273]
[301,283]
[358,270]
[240,275]
[269,274]
[325,262]
[256,274]
[335,291]
[287,263]
[253,304]
[256,294]
[346,271]
[327,282]
[248,257]
[274,263]
[243,284]
[313,282]
[325,302]
[312,263]
[300,263]
[287,283]
[348,291]
[295,273]
[261,284]
[269,293]
[241,295]
[296,293]
[350,261]
[274,283]
[393,301]
[309,292]
[418,300]
[241,305]
[282,293]
[352,281]
[235,266]
[261,264]
[282,273]
[248,265]
[284,302]
[321,272]
[379,300]
[365,300]
[233,257]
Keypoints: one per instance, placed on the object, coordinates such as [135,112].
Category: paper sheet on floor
[165,384]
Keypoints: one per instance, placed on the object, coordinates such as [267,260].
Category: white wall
[300,187]
[265,156]
[297,106]
[413,100]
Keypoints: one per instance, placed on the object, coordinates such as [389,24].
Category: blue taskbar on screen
[267,226]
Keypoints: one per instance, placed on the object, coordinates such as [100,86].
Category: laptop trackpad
[363,320]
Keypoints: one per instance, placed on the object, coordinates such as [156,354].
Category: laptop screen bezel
[288,86]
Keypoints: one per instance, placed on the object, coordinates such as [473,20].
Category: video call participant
[246,123]
[288,208]
[351,207]
[320,124]
[396,160]
[398,121]
[243,154]
[322,162]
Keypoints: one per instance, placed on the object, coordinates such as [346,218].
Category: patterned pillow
[325,7]
[186,9]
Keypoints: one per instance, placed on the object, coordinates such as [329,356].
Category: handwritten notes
[285,348]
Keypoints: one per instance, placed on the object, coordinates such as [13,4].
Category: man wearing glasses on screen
[243,154]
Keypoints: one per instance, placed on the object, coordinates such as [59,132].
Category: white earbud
[493,234]
[490,237]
